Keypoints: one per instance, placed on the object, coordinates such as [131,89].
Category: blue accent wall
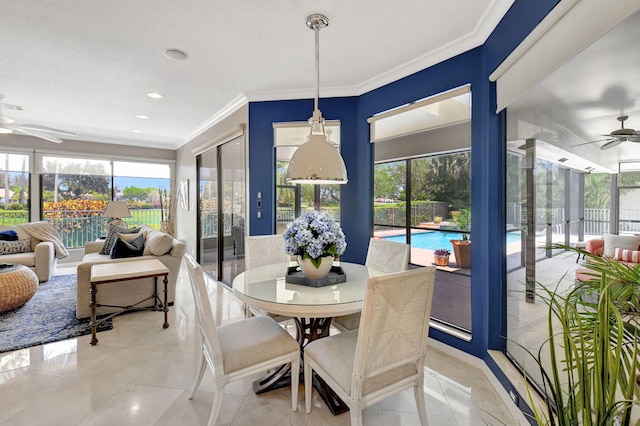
[355,196]
[488,286]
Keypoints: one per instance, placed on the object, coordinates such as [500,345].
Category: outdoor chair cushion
[611,241]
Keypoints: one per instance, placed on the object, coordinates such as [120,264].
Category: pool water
[434,240]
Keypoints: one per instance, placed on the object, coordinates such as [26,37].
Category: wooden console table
[105,273]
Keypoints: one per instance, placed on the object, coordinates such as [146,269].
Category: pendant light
[317,161]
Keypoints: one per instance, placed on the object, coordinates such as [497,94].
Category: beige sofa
[41,259]
[124,293]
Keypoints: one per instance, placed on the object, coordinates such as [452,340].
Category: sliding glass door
[221,201]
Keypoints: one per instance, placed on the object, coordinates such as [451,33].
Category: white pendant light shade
[317,162]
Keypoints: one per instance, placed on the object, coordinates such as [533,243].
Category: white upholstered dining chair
[384,256]
[239,349]
[262,250]
[386,355]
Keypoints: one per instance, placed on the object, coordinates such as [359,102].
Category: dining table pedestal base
[307,330]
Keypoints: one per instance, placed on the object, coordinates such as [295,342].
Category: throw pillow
[625,255]
[130,237]
[628,242]
[112,234]
[8,235]
[122,248]
[158,243]
[14,247]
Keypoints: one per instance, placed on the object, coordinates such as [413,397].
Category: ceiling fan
[618,136]
[42,132]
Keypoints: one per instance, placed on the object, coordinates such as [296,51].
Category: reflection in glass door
[232,208]
[545,203]
[208,211]
[221,200]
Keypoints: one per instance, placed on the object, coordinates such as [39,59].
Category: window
[416,202]
[75,192]
[14,188]
[629,206]
[422,186]
[146,188]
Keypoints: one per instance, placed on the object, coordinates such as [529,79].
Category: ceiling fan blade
[611,144]
[5,120]
[587,143]
[37,134]
[38,128]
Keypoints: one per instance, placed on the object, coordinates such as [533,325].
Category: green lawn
[151,217]
[13,217]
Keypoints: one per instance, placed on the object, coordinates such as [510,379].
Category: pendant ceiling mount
[317,21]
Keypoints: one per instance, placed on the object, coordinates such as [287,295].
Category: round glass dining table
[311,308]
[266,288]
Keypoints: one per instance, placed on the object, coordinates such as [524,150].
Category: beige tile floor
[140,373]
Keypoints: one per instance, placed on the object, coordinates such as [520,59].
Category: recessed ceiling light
[155,95]
[136,131]
[176,54]
[142,116]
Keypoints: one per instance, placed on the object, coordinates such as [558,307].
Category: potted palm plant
[590,371]
[462,248]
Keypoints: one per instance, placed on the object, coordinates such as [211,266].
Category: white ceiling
[581,100]
[86,66]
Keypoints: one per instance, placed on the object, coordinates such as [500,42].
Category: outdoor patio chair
[386,355]
[239,349]
[384,256]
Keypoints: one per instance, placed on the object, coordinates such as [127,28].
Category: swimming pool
[433,240]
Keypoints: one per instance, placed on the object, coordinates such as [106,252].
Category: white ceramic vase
[311,272]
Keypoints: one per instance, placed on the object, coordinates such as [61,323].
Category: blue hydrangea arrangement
[314,235]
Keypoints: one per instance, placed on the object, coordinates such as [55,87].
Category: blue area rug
[48,317]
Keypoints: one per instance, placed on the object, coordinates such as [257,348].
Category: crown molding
[489,20]
[238,102]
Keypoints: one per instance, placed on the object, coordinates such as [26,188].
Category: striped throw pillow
[625,255]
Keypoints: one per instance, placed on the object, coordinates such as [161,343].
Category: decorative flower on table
[314,235]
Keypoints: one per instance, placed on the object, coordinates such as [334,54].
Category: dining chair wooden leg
[356,416]
[295,382]
[308,386]
[420,403]
[198,379]
[217,403]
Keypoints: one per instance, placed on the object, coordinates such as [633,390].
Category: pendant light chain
[317,33]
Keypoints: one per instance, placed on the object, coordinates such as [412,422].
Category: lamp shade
[116,209]
[317,162]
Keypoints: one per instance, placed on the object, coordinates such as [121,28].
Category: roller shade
[444,109]
[569,28]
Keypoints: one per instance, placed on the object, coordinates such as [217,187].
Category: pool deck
[424,257]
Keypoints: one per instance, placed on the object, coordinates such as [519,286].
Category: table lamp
[115,210]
